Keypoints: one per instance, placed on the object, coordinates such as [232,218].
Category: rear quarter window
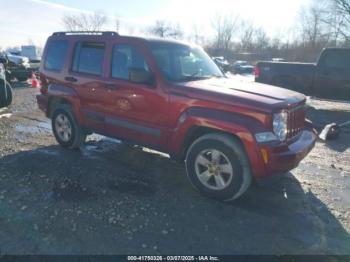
[56,55]
[337,59]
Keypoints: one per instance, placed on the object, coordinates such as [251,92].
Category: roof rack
[103,33]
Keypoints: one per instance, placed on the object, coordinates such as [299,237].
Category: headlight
[280,125]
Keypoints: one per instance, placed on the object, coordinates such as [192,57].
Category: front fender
[242,126]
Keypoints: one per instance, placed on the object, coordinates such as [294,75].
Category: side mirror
[140,76]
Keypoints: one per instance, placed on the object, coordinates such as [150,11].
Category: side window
[126,57]
[88,58]
[56,54]
[337,59]
[162,57]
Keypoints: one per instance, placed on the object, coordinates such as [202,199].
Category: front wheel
[218,167]
[66,129]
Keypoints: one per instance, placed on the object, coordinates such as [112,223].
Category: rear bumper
[42,101]
[284,157]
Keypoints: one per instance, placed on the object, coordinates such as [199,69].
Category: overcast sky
[35,20]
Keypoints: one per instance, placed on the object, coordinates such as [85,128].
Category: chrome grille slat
[296,119]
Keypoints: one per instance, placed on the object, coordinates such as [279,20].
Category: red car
[172,97]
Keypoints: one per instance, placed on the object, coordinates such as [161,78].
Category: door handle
[71,79]
[111,87]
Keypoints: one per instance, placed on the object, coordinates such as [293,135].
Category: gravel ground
[112,198]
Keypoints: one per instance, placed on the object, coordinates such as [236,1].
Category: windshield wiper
[217,76]
[194,77]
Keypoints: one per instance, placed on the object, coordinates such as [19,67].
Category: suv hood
[244,92]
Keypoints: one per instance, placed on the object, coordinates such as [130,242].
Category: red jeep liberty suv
[170,96]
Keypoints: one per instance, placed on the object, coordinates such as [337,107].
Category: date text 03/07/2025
[173,258]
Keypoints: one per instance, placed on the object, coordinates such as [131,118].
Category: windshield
[181,63]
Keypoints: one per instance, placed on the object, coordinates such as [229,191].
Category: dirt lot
[111,198]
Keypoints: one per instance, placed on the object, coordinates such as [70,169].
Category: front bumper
[284,157]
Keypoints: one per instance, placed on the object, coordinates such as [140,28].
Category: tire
[3,93]
[9,94]
[234,176]
[65,128]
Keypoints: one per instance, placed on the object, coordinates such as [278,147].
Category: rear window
[337,59]
[88,58]
[56,54]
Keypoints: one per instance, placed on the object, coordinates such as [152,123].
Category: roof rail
[103,33]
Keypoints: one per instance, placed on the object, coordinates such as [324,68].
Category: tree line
[324,23]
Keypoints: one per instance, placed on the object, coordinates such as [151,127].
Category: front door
[138,112]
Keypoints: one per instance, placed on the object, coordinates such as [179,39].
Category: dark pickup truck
[328,78]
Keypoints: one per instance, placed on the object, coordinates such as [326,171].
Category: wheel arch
[198,131]
[60,94]
[196,123]
[54,101]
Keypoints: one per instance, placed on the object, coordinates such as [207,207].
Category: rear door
[86,76]
[332,77]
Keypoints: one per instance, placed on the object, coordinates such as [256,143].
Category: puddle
[42,127]
[46,125]
[97,144]
[135,187]
[48,152]
[70,191]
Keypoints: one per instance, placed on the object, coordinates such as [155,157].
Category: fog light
[265,137]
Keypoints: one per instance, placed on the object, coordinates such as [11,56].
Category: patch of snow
[5,115]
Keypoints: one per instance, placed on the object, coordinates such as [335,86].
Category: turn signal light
[265,155]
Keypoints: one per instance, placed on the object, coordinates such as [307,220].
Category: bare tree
[164,29]
[339,18]
[196,35]
[176,31]
[85,22]
[311,26]
[225,28]
[117,23]
[321,24]
[261,41]
[247,36]
[160,28]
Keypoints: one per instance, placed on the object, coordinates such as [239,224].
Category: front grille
[295,122]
